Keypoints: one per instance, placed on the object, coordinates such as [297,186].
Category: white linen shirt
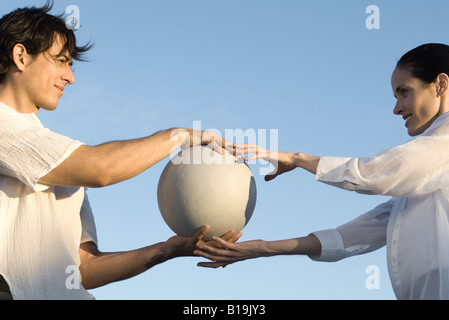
[41,227]
[414,224]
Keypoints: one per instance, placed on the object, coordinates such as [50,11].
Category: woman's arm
[364,234]
[283,162]
[230,253]
[416,168]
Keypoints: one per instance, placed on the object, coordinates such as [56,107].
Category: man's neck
[12,96]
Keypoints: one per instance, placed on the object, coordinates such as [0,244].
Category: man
[46,224]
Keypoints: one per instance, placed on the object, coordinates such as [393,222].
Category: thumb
[271,176]
[199,235]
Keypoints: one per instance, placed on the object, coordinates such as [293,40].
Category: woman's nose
[398,109]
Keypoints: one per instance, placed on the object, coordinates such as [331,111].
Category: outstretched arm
[282,161]
[114,162]
[99,268]
[230,253]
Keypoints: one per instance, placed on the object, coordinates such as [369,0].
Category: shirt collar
[30,117]
[441,120]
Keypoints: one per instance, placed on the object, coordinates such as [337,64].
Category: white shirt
[41,227]
[414,224]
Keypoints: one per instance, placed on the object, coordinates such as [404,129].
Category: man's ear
[20,56]
[442,84]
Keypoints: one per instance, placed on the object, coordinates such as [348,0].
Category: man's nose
[69,77]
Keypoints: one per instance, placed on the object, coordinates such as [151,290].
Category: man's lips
[60,88]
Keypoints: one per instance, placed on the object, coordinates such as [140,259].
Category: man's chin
[47,108]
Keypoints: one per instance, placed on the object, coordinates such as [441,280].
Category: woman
[414,224]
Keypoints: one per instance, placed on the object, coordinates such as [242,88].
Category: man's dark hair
[37,31]
[427,61]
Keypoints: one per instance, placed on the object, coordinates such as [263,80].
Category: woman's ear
[442,84]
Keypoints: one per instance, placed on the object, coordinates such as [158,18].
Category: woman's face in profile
[418,103]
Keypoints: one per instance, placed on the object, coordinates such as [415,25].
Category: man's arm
[114,162]
[99,268]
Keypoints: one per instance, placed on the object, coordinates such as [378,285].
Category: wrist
[168,251]
[306,161]
[180,137]
[298,159]
[268,248]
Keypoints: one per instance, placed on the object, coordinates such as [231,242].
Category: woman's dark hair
[37,30]
[427,61]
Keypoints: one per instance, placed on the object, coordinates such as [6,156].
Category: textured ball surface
[202,187]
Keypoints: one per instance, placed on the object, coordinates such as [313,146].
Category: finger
[235,238]
[228,235]
[253,157]
[212,265]
[199,235]
[270,177]
[218,146]
[246,148]
[225,244]
[231,236]
[214,254]
[207,137]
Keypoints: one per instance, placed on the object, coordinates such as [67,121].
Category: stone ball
[200,186]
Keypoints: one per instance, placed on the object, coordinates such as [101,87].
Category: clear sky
[311,70]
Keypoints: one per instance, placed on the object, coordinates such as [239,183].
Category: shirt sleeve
[416,168]
[89,233]
[29,152]
[364,234]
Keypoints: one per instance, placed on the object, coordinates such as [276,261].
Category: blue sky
[309,69]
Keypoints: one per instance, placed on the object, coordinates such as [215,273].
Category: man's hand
[101,268]
[227,253]
[180,246]
[187,138]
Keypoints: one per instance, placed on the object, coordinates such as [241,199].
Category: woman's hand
[282,161]
[227,253]
[180,246]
